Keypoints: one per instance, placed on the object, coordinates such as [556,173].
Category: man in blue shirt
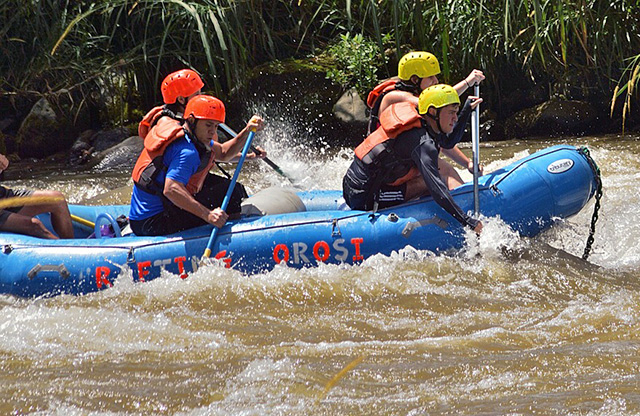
[171,193]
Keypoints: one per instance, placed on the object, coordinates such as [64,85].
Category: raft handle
[61,269]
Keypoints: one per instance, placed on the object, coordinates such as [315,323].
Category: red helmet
[181,83]
[205,107]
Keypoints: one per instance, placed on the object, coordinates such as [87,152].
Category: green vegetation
[357,62]
[632,77]
[122,48]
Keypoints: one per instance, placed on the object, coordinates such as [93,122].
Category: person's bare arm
[475,77]
[177,193]
[395,97]
[228,150]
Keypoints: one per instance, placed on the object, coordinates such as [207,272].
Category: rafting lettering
[145,266]
[102,272]
[301,253]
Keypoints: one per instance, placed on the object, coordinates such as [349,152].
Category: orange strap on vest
[149,120]
[197,179]
[378,90]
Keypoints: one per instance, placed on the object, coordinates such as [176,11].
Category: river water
[507,326]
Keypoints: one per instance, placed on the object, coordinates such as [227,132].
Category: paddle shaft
[21,201]
[227,197]
[83,221]
[475,138]
[268,161]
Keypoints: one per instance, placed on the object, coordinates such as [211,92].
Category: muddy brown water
[507,326]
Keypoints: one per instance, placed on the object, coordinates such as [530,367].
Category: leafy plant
[358,60]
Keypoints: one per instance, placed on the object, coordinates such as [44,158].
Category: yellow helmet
[437,96]
[422,64]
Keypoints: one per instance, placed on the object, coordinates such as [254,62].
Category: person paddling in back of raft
[21,219]
[416,72]
[177,89]
[168,195]
[399,161]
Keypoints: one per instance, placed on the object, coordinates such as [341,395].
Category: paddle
[268,161]
[475,139]
[20,201]
[227,197]
[82,221]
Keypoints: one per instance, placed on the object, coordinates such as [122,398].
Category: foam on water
[617,229]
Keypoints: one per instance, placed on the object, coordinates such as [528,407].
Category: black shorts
[10,193]
[388,196]
[174,219]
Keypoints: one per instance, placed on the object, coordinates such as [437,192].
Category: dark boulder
[120,157]
[554,117]
[40,132]
[106,139]
[296,93]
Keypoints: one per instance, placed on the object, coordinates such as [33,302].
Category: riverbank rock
[106,139]
[295,93]
[91,144]
[552,118]
[40,133]
[351,109]
[51,124]
[122,156]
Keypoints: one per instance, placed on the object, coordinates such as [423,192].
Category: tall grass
[627,85]
[123,48]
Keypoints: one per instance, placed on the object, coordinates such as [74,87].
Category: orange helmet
[181,83]
[205,107]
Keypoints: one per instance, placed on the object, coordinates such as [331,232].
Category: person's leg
[22,224]
[449,175]
[357,199]
[415,188]
[60,216]
[169,221]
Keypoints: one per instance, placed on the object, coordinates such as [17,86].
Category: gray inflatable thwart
[271,201]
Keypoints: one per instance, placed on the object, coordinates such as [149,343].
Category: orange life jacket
[158,132]
[394,120]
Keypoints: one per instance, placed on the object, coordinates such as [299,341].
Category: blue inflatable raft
[528,195]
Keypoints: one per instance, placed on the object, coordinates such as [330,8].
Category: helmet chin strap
[436,118]
[191,124]
[192,128]
[417,85]
[410,86]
